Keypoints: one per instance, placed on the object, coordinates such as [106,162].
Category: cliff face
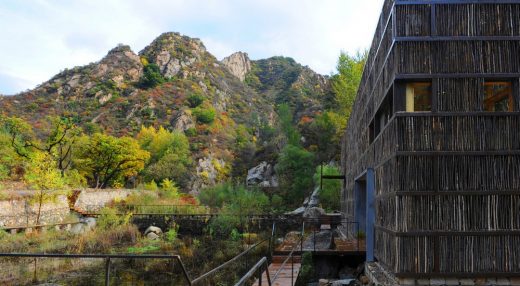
[111,95]
[238,64]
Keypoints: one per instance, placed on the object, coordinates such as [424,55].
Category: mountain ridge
[126,90]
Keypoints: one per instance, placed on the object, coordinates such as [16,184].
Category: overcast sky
[42,37]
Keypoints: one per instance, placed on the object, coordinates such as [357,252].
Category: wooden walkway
[284,277]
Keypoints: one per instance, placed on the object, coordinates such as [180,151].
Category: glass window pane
[498,96]
[418,96]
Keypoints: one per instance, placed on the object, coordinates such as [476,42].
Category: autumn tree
[169,153]
[106,160]
[43,176]
[57,143]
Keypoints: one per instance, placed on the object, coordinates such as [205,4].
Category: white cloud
[43,37]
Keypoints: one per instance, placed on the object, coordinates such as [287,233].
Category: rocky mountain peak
[172,52]
[120,64]
[238,64]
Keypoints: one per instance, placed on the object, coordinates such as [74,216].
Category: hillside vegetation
[174,113]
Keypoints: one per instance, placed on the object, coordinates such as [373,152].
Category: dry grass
[104,241]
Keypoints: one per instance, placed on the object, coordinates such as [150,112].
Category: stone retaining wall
[91,200]
[21,212]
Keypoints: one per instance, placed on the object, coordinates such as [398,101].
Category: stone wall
[91,200]
[20,212]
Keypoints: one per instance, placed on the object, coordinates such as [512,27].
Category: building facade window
[418,96]
[498,96]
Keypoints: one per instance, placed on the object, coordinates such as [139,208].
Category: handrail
[211,272]
[285,261]
[251,272]
[107,257]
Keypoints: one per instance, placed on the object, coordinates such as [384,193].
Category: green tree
[43,175]
[323,129]
[286,123]
[330,195]
[170,153]
[345,85]
[295,168]
[152,76]
[106,160]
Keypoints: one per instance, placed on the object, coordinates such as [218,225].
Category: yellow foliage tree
[43,175]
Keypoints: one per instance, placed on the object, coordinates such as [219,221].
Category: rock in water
[238,64]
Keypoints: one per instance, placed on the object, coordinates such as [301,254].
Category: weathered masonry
[431,154]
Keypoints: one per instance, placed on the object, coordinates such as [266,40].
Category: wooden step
[284,277]
[281,258]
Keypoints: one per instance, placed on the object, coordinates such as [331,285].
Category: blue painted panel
[370,214]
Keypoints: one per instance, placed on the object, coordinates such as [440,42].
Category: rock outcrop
[173,53]
[183,120]
[238,64]
[262,175]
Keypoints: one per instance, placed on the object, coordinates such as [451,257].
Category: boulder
[298,211]
[344,282]
[78,228]
[262,175]
[313,213]
[152,236]
[314,200]
[89,222]
[321,240]
[323,282]
[153,229]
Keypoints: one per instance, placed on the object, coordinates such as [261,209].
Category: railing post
[260,276]
[314,239]
[292,270]
[107,271]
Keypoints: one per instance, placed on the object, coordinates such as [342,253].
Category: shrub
[190,132]
[204,115]
[169,189]
[152,76]
[307,269]
[151,186]
[171,235]
[4,172]
[109,219]
[195,100]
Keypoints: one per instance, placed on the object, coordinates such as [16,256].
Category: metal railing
[107,258]
[257,267]
[264,261]
[162,209]
[227,263]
